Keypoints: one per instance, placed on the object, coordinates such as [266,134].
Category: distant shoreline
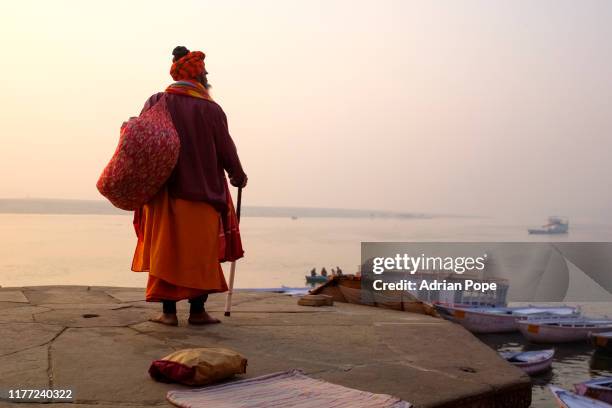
[99,207]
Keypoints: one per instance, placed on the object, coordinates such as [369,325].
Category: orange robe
[178,244]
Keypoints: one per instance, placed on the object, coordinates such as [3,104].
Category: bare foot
[202,318]
[169,319]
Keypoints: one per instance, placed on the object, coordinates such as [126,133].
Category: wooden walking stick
[228,299]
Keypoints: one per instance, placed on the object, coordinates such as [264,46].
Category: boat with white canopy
[562,330]
[500,319]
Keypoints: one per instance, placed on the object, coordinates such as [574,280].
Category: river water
[45,249]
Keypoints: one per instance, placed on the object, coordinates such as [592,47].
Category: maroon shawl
[207,152]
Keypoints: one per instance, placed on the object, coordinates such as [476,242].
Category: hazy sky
[454,106]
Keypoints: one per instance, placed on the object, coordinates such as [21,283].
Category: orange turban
[188,67]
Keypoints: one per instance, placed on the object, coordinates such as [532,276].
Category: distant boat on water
[316,279]
[555,225]
[313,278]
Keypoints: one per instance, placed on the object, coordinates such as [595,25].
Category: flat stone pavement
[97,341]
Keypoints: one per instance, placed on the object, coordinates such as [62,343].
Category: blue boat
[531,362]
[598,388]
[316,279]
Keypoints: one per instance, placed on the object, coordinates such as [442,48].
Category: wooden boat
[499,319]
[602,341]
[562,330]
[347,288]
[597,388]
[531,362]
[568,399]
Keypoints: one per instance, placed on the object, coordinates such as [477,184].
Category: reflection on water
[573,362]
[601,362]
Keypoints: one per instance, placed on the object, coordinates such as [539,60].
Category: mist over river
[94,249]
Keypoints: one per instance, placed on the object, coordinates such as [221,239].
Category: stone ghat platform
[98,342]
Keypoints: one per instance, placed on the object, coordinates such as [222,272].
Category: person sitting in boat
[323,271]
[338,271]
[313,272]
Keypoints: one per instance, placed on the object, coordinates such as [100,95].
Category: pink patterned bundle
[144,159]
